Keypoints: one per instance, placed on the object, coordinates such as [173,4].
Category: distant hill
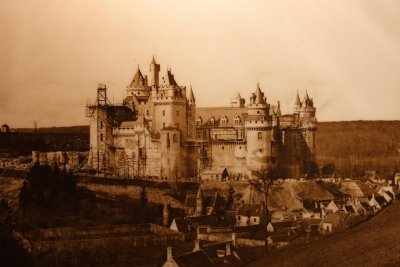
[353,146]
[58,130]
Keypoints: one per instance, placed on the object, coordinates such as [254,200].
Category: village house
[250,214]
[200,204]
[334,222]
[215,254]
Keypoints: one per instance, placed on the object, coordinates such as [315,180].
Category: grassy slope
[373,243]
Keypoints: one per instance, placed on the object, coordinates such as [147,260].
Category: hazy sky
[54,53]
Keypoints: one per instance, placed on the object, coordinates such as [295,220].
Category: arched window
[237,120]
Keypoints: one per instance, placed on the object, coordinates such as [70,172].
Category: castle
[158,132]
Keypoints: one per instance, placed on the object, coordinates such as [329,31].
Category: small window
[199,121]
[101,125]
[224,121]
[147,112]
[163,112]
[259,135]
[177,113]
[261,150]
[163,125]
[258,112]
[254,219]
[240,147]
[101,137]
[174,139]
[222,147]
[212,121]
[138,93]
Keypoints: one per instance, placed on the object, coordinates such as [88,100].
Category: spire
[298,101]
[153,61]
[278,110]
[191,95]
[259,95]
[307,97]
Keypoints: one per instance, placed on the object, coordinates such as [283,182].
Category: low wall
[92,238]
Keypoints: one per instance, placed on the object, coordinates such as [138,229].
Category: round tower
[171,153]
[258,131]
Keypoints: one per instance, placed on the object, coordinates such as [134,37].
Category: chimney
[228,248]
[234,239]
[197,245]
[169,253]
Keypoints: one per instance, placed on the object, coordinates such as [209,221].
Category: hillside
[353,146]
[373,243]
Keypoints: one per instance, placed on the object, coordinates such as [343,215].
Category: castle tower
[258,127]
[237,101]
[191,115]
[308,124]
[155,73]
[199,202]
[169,106]
[171,153]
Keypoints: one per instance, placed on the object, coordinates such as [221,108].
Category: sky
[345,53]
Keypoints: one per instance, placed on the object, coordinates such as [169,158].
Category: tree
[263,182]
[14,249]
[143,197]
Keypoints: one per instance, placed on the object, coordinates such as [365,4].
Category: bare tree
[35,126]
[263,181]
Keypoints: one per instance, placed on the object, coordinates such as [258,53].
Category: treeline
[46,186]
[22,144]
[354,146]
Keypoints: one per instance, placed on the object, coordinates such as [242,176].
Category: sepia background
[345,53]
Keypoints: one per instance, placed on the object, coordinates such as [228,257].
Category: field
[373,243]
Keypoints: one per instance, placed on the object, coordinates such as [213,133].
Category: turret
[258,131]
[155,73]
[237,101]
[191,115]
[297,104]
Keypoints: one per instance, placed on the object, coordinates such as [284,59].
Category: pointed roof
[153,61]
[298,101]
[307,97]
[138,79]
[278,110]
[191,95]
[259,95]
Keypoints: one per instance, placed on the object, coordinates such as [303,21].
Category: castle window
[222,147]
[240,147]
[261,150]
[177,113]
[163,125]
[147,112]
[224,120]
[258,112]
[101,125]
[163,112]
[259,135]
[174,139]
[237,120]
[138,93]
[101,137]
[212,121]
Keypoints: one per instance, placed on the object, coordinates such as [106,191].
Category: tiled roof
[219,113]
[252,209]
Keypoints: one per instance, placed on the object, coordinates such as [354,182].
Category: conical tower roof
[191,95]
[138,79]
[298,101]
[259,95]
